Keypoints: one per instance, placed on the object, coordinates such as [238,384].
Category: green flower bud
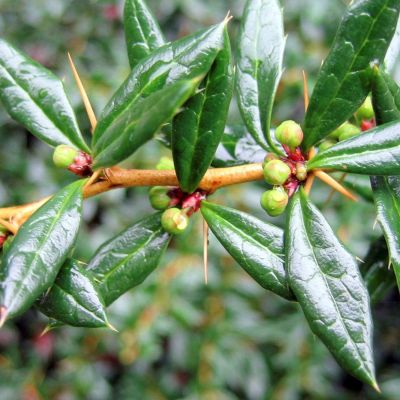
[290,134]
[270,157]
[350,131]
[366,111]
[64,156]
[165,164]
[159,199]
[345,129]
[301,172]
[174,221]
[274,201]
[326,144]
[276,172]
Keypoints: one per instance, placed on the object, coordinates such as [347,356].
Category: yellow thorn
[305,89]
[12,228]
[205,250]
[85,98]
[93,178]
[309,183]
[112,328]
[3,315]
[47,329]
[334,184]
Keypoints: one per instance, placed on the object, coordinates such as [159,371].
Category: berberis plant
[179,93]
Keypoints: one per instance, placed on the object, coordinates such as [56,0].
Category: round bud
[165,164]
[344,129]
[269,157]
[366,111]
[276,172]
[64,156]
[290,134]
[301,172]
[274,201]
[159,199]
[349,131]
[326,144]
[174,221]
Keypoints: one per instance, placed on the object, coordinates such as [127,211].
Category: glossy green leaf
[392,55]
[259,65]
[73,299]
[386,100]
[385,97]
[185,59]
[344,80]
[40,248]
[128,259]
[325,278]
[237,147]
[142,32]
[36,98]
[255,245]
[376,152]
[138,125]
[198,129]
[377,275]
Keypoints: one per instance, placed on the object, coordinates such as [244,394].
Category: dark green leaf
[237,147]
[378,278]
[73,299]
[376,152]
[137,125]
[259,66]
[392,55]
[142,32]
[40,248]
[35,97]
[255,245]
[345,77]
[325,278]
[197,130]
[387,200]
[185,59]
[128,259]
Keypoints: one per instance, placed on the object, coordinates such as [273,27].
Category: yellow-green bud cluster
[276,172]
[290,134]
[159,198]
[174,221]
[274,201]
[64,156]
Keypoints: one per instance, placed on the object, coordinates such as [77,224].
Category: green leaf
[73,299]
[344,80]
[185,59]
[376,152]
[327,283]
[36,98]
[237,147]
[40,248]
[259,66]
[385,97]
[198,129]
[137,125]
[392,55]
[255,245]
[128,259]
[142,32]
[378,278]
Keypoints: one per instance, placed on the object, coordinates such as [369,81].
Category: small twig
[85,98]
[334,184]
[205,250]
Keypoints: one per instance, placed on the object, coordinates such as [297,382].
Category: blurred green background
[178,338]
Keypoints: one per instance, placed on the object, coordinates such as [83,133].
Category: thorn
[334,184]
[390,264]
[228,17]
[309,183]
[112,327]
[305,91]
[46,330]
[205,250]
[85,98]
[3,315]
[93,178]
[360,260]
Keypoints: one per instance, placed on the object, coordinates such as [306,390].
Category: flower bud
[64,156]
[158,196]
[366,111]
[276,172]
[174,221]
[349,131]
[274,201]
[165,164]
[290,134]
[326,144]
[345,129]
[301,172]
[269,157]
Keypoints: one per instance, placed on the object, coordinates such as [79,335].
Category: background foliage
[179,339]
